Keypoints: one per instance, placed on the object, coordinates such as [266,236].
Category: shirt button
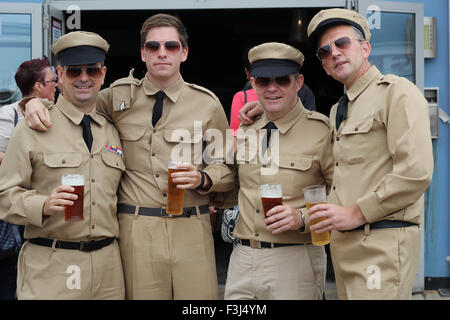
[292,164]
[257,210]
[93,227]
[337,138]
[157,175]
[337,163]
[164,194]
[334,187]
[93,180]
[64,161]
[93,203]
[356,129]
[153,154]
[264,166]
[154,131]
[256,234]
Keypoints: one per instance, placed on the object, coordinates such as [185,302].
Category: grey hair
[358,34]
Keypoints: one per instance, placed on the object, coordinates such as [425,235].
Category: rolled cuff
[370,208]
[33,209]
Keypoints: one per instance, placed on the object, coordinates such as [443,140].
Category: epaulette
[314,115]
[128,80]
[200,88]
[387,78]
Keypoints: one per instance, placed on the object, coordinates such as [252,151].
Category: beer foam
[270,191]
[73,180]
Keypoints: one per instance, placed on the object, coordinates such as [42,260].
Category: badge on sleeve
[122,106]
[114,149]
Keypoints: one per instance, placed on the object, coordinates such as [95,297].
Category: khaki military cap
[273,59]
[336,16]
[80,47]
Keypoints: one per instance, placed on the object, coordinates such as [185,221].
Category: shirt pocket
[185,145]
[361,141]
[63,160]
[295,173]
[135,146]
[113,168]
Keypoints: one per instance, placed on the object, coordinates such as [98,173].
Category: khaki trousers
[375,264]
[284,273]
[168,258]
[62,274]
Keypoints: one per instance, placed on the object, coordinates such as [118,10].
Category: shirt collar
[173,92]
[75,115]
[362,83]
[285,122]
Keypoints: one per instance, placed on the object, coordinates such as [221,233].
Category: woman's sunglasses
[75,72]
[343,43]
[263,82]
[171,45]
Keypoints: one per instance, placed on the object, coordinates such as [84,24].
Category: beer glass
[315,195]
[271,196]
[75,212]
[175,196]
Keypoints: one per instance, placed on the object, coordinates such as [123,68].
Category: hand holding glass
[316,195]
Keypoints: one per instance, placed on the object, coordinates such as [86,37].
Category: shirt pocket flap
[113,160]
[62,160]
[361,126]
[301,163]
[121,97]
[183,135]
[131,132]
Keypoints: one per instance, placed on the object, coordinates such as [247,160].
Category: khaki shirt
[188,112]
[383,150]
[35,162]
[304,159]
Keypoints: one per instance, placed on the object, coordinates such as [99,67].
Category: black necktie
[87,133]
[341,113]
[157,108]
[269,127]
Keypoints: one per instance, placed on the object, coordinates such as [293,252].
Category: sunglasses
[55,81]
[343,43]
[263,82]
[171,45]
[75,72]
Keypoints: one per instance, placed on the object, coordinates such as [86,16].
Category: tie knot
[160,95]
[86,121]
[271,126]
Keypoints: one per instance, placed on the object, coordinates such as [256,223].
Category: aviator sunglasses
[263,82]
[171,45]
[343,43]
[75,72]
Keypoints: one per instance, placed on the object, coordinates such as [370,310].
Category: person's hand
[336,218]
[250,110]
[61,197]
[212,210]
[37,115]
[190,178]
[283,218]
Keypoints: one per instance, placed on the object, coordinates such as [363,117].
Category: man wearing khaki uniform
[384,163]
[274,258]
[161,117]
[73,259]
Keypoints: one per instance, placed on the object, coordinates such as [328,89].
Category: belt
[160,212]
[261,244]
[85,246]
[386,224]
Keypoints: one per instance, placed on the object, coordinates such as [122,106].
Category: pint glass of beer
[175,196]
[271,196]
[315,195]
[75,212]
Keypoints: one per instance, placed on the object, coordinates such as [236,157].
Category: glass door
[20,40]
[397,37]
[398,48]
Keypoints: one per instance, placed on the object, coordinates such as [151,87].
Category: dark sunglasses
[343,43]
[171,45]
[55,81]
[75,72]
[263,82]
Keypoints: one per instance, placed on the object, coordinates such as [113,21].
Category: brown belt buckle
[255,244]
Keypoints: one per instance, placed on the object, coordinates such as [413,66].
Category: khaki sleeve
[409,143]
[216,150]
[19,204]
[103,103]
